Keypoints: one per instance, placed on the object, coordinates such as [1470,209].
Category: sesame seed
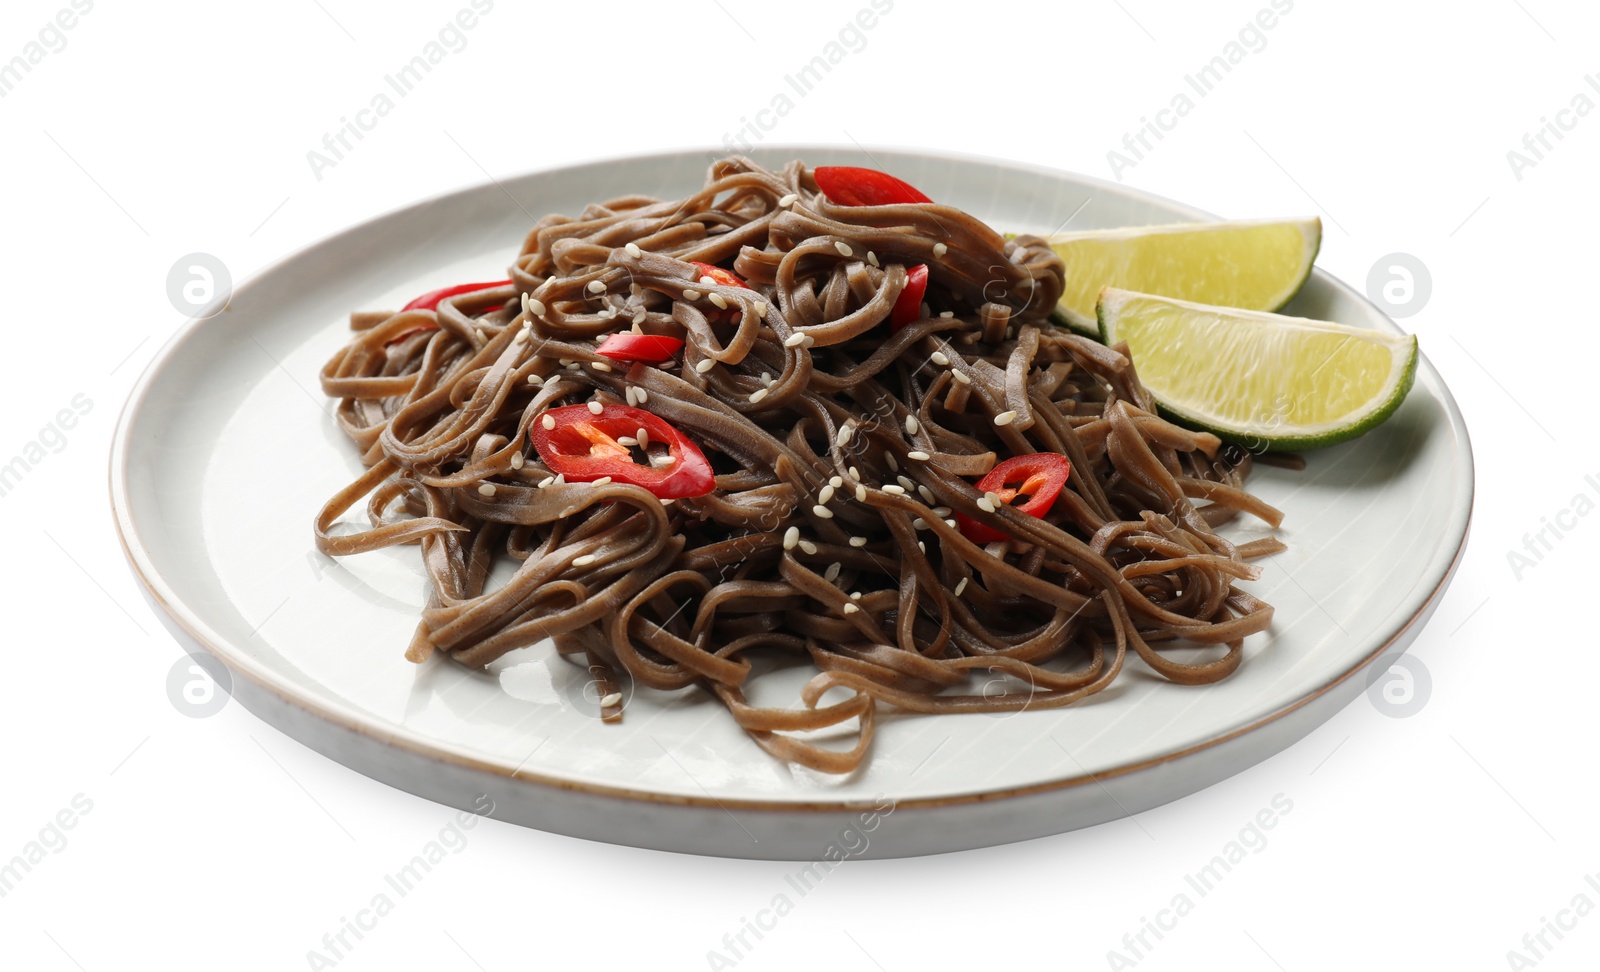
[892,488]
[1006,417]
[719,300]
[757,395]
[627,394]
[597,287]
[487,489]
[519,337]
[599,366]
[572,366]
[607,314]
[517,460]
[644,396]
[850,607]
[691,294]
[939,249]
[561,479]
[639,319]
[766,379]
[794,340]
[788,200]
[861,493]
[832,573]
[549,421]
[842,247]
[845,432]
[919,524]
[584,561]
[947,314]
[705,364]
[615,698]
[961,585]
[596,407]
[666,501]
[808,548]
[546,481]
[950,523]
[643,435]
[537,306]
[822,511]
[922,546]
[602,481]
[633,250]
[940,358]
[563,362]
[759,309]
[809,341]
[791,537]
[918,455]
[941,511]
[662,460]
[825,494]
[836,481]
[907,482]
[854,473]
[985,505]
[858,541]
[536,380]
[925,493]
[994,499]
[872,258]
[961,376]
[709,280]
[894,466]
[627,440]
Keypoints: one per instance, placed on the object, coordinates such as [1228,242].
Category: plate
[226,449]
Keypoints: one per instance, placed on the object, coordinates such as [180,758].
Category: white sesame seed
[794,340]
[757,395]
[563,362]
[861,493]
[643,435]
[615,698]
[788,200]
[822,511]
[907,482]
[941,511]
[633,250]
[845,432]
[872,258]
[911,425]
[705,364]
[691,294]
[947,314]
[719,300]
[766,379]
[644,396]
[842,247]
[858,541]
[597,287]
[517,461]
[961,585]
[627,440]
[627,394]
[599,366]
[985,505]
[850,607]
[546,481]
[961,376]
[855,595]
[918,455]
[925,493]
[549,421]
[561,479]
[892,488]
[639,319]
[666,501]
[759,309]
[832,573]
[825,494]
[994,499]
[1006,417]
[854,473]
[894,466]
[519,337]
[940,358]
[922,546]
[950,523]
[536,380]
[939,249]
[584,561]
[487,489]
[709,280]
[919,524]
[572,366]
[791,537]
[836,481]
[809,341]
[602,481]
[662,460]
[537,306]
[808,548]
[596,407]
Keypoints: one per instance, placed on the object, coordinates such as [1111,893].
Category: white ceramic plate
[226,449]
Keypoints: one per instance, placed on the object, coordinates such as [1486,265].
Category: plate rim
[341,714]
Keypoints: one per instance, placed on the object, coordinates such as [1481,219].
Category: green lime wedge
[1262,380]
[1253,264]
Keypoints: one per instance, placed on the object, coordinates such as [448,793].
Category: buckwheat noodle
[692,591]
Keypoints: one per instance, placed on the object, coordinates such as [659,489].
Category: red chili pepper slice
[583,447]
[723,277]
[908,306]
[431,299]
[639,347]
[1040,477]
[849,185]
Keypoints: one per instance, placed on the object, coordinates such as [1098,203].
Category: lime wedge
[1253,264]
[1262,380]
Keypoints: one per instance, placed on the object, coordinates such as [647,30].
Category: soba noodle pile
[843,452]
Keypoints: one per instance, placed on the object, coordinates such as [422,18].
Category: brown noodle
[686,592]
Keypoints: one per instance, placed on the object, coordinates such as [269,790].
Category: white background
[1434,841]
